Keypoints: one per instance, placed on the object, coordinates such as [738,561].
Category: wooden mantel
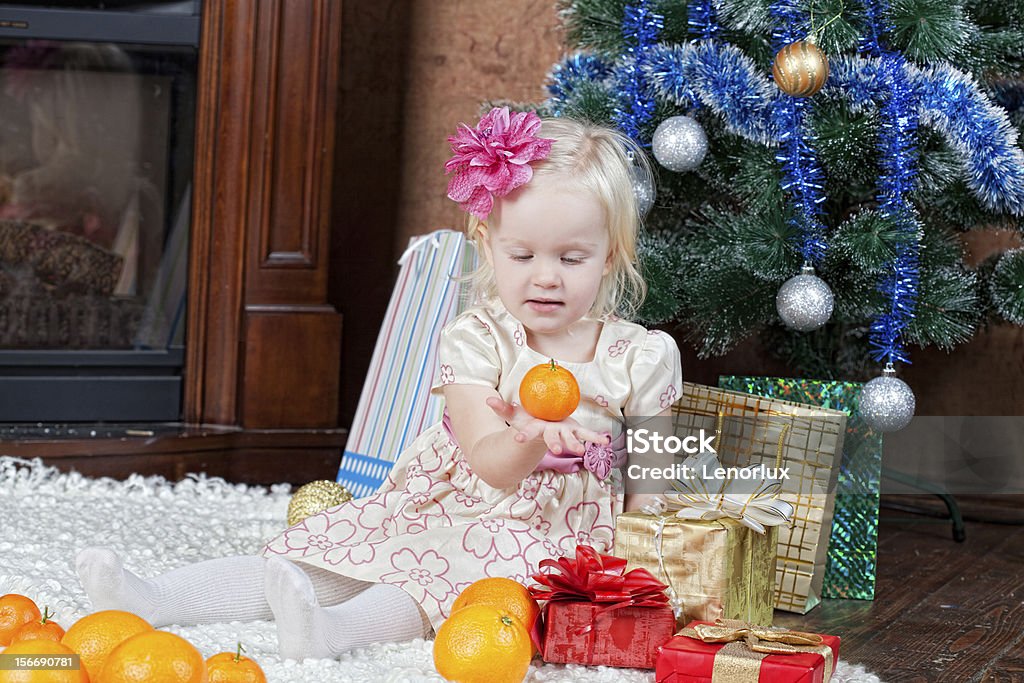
[263,345]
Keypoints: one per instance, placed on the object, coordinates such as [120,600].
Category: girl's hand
[565,436]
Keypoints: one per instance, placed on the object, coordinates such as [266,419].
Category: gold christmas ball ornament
[315,497]
[800,68]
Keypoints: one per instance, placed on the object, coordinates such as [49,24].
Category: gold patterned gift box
[717,569]
[753,430]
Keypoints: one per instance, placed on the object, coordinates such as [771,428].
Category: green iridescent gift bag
[850,567]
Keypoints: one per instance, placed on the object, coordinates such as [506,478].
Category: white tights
[318,613]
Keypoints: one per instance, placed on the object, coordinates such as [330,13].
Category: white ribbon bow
[417,246]
[751,499]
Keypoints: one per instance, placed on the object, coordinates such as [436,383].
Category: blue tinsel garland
[900,282]
[635,106]
[566,76]
[701,20]
[899,110]
[802,177]
[729,83]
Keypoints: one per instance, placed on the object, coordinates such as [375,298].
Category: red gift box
[688,659]
[579,632]
[597,613]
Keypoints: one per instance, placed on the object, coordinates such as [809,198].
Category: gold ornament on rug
[315,497]
[801,68]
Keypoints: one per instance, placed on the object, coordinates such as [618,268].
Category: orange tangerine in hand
[40,629]
[16,611]
[233,667]
[482,644]
[95,636]
[549,392]
[154,657]
[42,648]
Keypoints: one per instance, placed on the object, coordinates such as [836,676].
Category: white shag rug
[46,517]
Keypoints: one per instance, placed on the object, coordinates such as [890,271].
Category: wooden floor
[943,611]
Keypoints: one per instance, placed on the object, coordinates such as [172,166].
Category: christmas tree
[912,139]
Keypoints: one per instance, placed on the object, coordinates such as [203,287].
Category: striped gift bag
[395,405]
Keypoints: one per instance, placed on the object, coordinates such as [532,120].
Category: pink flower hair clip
[494,158]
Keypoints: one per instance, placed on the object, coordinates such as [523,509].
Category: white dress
[434,527]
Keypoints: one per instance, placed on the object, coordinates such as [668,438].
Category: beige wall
[463,53]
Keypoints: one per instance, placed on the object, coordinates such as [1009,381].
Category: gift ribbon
[752,500]
[747,645]
[600,579]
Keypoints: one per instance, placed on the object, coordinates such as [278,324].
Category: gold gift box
[754,429]
[717,569]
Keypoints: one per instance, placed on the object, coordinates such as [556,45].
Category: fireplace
[256,397]
[97,130]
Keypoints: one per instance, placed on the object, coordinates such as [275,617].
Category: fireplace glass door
[96,149]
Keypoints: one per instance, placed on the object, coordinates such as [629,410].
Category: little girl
[490,490]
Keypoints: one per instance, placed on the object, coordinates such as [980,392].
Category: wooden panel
[264,145]
[223,121]
[295,100]
[291,368]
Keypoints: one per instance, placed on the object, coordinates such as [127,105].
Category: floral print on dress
[419,510]
[535,492]
[668,396]
[590,527]
[313,536]
[490,538]
[421,576]
[618,348]
[351,553]
[518,569]
[601,401]
[375,516]
[447,374]
[540,526]
[520,336]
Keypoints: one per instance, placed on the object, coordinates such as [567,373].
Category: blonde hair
[596,159]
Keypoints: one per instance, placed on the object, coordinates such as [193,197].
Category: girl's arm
[501,443]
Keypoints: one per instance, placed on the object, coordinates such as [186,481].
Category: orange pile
[41,648]
[96,635]
[16,611]
[228,667]
[41,629]
[504,594]
[487,637]
[113,647]
[154,657]
[549,392]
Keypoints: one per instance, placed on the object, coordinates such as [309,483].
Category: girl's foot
[301,628]
[110,586]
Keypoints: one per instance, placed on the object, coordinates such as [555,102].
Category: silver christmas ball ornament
[804,301]
[643,190]
[887,403]
[679,144]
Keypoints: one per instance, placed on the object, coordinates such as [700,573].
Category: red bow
[597,578]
